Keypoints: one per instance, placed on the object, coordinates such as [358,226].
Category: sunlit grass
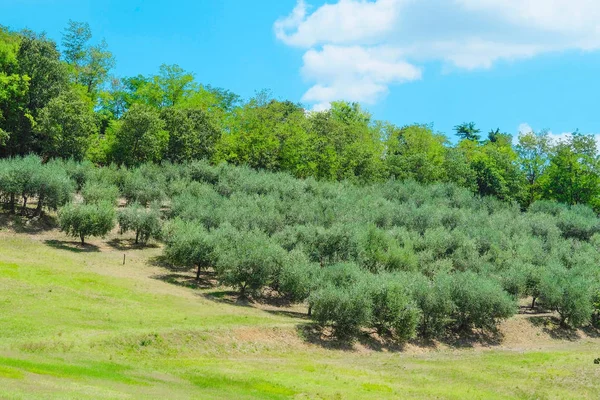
[81,325]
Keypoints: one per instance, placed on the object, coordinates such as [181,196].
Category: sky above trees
[512,64]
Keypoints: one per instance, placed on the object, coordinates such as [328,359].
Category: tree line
[68,105]
[402,259]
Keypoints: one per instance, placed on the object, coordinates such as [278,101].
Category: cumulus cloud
[354,73]
[465,34]
[345,22]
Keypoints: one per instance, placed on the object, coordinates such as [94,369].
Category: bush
[434,300]
[344,310]
[83,220]
[479,302]
[246,260]
[99,192]
[394,313]
[188,245]
[580,222]
[140,187]
[141,220]
[298,277]
[568,293]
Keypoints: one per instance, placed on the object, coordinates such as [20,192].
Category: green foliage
[393,311]
[99,192]
[141,138]
[246,260]
[143,185]
[188,245]
[298,277]
[569,293]
[416,152]
[84,220]
[144,222]
[468,131]
[192,135]
[434,300]
[479,302]
[344,309]
[65,126]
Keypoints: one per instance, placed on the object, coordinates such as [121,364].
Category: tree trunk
[310,310]
[24,205]
[38,209]
[198,273]
[12,203]
[137,237]
[82,237]
[533,303]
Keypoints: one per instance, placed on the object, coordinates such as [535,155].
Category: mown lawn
[81,325]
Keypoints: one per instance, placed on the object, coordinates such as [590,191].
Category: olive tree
[246,260]
[145,222]
[188,245]
[83,220]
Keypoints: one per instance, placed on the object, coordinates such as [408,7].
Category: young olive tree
[145,222]
[83,220]
[394,313]
[188,245]
[246,260]
[97,192]
[344,309]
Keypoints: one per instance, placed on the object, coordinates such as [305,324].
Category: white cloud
[354,73]
[345,22]
[466,34]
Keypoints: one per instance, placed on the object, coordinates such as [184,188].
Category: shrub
[188,245]
[579,222]
[345,310]
[142,188]
[298,277]
[568,293]
[141,220]
[479,302]
[99,192]
[394,313]
[434,300]
[246,260]
[83,220]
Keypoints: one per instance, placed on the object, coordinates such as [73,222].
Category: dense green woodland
[401,259]
[389,229]
[68,105]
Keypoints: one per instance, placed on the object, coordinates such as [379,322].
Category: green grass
[80,325]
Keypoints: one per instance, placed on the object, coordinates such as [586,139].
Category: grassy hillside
[75,323]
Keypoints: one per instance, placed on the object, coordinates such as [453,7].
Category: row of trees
[399,258]
[68,106]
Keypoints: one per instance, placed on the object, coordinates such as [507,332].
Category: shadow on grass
[74,247]
[551,326]
[129,244]
[184,280]
[368,339]
[470,338]
[30,226]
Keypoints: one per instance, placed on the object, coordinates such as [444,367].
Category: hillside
[76,323]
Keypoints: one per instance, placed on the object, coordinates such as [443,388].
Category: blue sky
[500,63]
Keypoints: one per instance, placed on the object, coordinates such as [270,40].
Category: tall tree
[65,126]
[533,157]
[89,64]
[468,131]
[141,137]
[573,174]
[416,152]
